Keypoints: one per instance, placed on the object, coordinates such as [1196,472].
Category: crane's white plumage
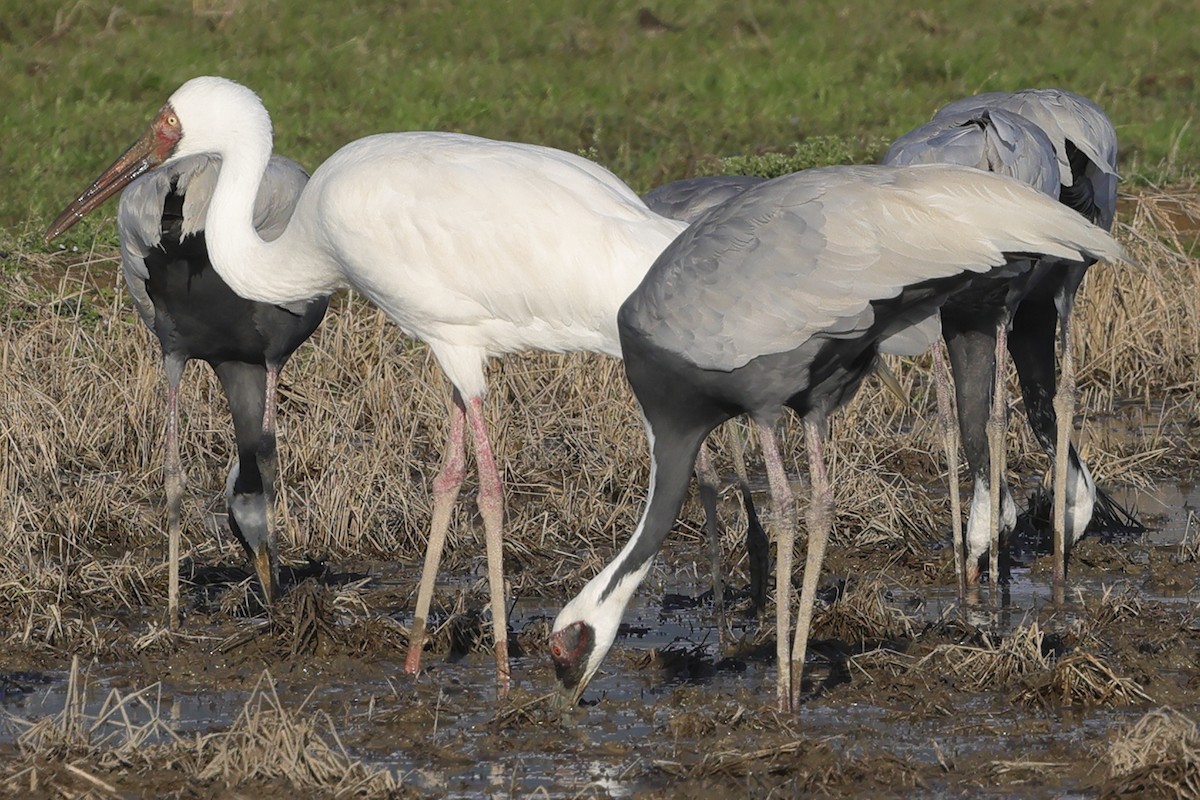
[477,247]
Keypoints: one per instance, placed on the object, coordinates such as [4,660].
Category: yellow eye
[172,120]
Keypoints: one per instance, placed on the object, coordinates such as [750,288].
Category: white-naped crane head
[198,118]
[585,629]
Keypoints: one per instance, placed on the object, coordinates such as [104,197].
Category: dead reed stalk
[362,424]
[1158,756]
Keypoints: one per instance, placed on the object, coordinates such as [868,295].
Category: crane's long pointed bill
[135,161]
[266,575]
[566,698]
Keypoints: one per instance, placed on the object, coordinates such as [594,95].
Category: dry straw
[362,416]
[132,732]
[1158,756]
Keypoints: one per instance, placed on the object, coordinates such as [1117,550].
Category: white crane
[476,247]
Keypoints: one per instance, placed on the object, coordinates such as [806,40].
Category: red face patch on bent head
[157,144]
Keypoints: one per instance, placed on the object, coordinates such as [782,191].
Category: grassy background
[80,79]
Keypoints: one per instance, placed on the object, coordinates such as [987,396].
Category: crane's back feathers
[993,140]
[807,254]
[687,199]
[1084,140]
[481,247]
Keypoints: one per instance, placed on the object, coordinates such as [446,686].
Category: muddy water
[669,715]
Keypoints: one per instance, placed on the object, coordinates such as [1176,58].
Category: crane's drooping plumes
[477,247]
[781,297]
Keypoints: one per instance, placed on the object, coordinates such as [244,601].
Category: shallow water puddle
[663,700]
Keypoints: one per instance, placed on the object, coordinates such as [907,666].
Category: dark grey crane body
[195,315]
[993,140]
[781,297]
[1085,146]
[686,200]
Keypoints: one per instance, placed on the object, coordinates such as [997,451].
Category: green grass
[81,79]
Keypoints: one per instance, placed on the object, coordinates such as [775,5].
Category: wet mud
[905,692]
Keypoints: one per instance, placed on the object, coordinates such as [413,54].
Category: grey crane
[1085,144]
[686,200]
[195,315]
[974,324]
[779,297]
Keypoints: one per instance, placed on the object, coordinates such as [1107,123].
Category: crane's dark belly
[198,315]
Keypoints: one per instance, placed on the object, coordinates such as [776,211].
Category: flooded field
[905,695]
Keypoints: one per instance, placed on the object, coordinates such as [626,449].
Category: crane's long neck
[286,270]
[602,601]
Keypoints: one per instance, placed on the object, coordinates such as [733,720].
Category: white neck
[287,270]
[604,615]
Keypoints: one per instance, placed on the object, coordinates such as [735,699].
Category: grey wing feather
[1065,117]
[808,253]
[687,199]
[989,139]
[139,214]
[994,140]
[139,227]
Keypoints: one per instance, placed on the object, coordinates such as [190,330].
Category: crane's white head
[586,627]
[205,115]
[577,648]
[211,113]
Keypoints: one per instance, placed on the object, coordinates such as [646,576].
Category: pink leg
[820,518]
[1064,409]
[996,427]
[268,458]
[173,470]
[265,562]
[491,508]
[445,490]
[709,484]
[945,406]
[785,531]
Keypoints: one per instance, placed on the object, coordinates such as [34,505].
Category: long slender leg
[268,457]
[248,491]
[971,341]
[785,532]
[997,425]
[445,490]
[173,470]
[707,479]
[819,519]
[941,384]
[758,547]
[266,560]
[1064,407]
[491,508]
